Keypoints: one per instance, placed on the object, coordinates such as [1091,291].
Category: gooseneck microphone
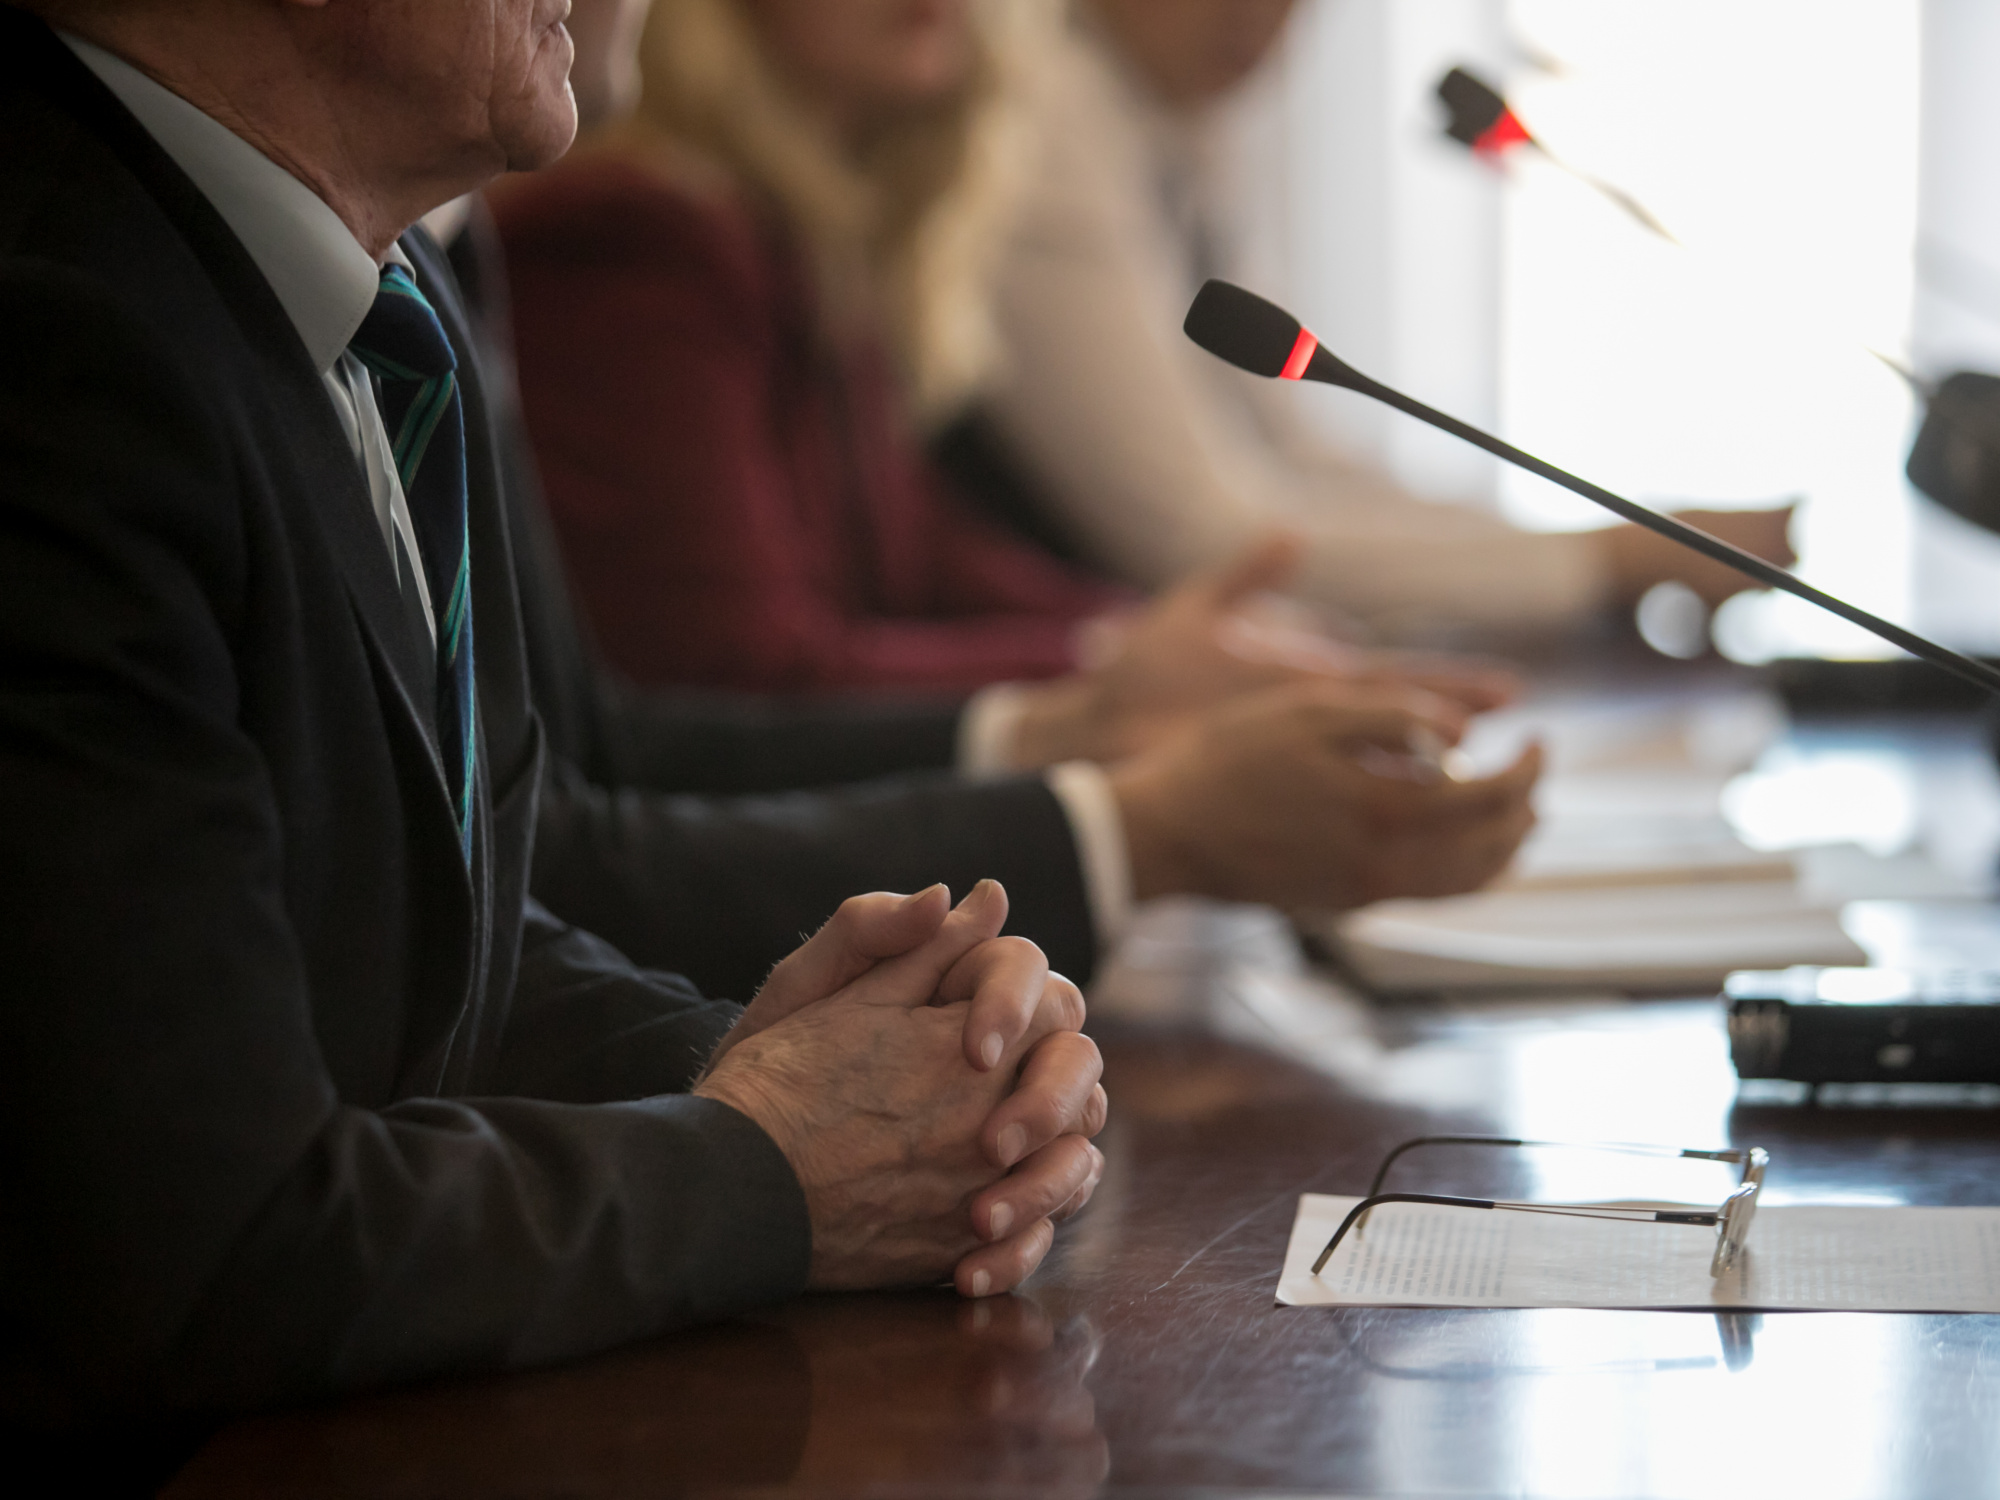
[1264,339]
[1480,117]
[1956,457]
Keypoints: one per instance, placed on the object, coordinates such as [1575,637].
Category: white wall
[1956,324]
[1380,235]
[1778,140]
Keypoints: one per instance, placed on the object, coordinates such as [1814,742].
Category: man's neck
[261,89]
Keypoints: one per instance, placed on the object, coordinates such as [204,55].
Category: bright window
[1778,140]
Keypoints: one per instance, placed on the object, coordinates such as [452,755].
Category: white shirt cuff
[986,728]
[1099,830]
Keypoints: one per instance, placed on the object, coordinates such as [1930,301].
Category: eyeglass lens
[1733,1225]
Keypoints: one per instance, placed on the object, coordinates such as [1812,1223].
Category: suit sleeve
[732,744]
[724,888]
[195,1217]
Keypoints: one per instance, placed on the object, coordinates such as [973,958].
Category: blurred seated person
[721,308]
[1146,455]
[669,823]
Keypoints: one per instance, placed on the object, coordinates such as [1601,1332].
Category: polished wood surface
[1149,1352]
[1149,1356]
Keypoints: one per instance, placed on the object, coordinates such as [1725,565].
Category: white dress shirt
[985,731]
[1165,460]
[327,282]
[323,278]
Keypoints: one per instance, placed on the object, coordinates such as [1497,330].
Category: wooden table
[1149,1354]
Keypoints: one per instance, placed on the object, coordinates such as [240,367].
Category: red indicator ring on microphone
[1303,350]
[1502,133]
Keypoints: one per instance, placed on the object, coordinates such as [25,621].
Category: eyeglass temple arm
[1703,1219]
[1382,1172]
[1376,1200]
[1731,1154]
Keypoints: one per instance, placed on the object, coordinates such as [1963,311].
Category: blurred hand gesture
[1151,672]
[1638,559]
[1310,796]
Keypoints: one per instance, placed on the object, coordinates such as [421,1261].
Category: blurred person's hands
[1154,671]
[1310,796]
[1637,559]
[1470,683]
[921,1154]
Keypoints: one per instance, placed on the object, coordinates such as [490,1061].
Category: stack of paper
[1633,880]
[1626,936]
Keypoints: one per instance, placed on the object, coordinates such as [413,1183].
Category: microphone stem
[1976,672]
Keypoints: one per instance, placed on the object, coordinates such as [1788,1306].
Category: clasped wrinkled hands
[929,1082]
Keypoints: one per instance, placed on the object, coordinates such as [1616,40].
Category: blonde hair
[905,232]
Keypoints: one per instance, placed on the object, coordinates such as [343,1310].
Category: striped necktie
[403,344]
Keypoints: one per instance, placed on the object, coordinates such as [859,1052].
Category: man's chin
[549,124]
[544,136]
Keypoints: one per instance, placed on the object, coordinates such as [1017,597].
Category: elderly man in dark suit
[298,1090]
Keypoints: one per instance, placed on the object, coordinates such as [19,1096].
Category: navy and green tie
[403,344]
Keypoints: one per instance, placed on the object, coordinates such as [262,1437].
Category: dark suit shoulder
[107,444]
[77,218]
[83,186]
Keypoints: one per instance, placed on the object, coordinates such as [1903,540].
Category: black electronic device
[1815,1025]
[1956,457]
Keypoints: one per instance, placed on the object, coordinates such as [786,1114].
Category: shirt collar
[324,279]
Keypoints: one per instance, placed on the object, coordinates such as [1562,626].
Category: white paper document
[1637,877]
[1798,1258]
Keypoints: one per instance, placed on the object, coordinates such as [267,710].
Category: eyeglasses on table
[1730,1220]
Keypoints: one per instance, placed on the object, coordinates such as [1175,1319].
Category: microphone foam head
[1243,328]
[1475,106]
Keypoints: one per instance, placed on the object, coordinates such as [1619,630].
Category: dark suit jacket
[709,830]
[290,1101]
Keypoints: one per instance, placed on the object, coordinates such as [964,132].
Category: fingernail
[999,1220]
[990,1050]
[910,901]
[981,1283]
[1013,1141]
